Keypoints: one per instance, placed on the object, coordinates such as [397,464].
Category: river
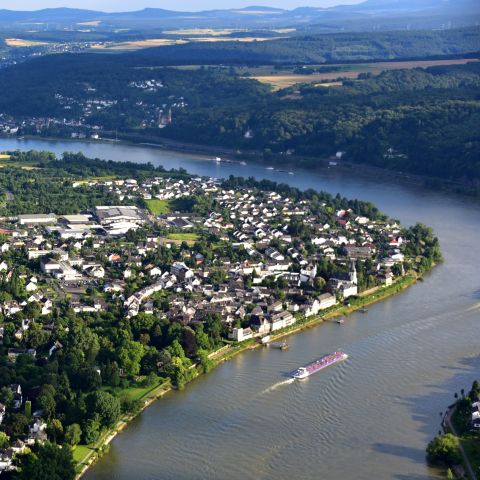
[367,418]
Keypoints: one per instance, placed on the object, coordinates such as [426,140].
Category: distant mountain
[365,15]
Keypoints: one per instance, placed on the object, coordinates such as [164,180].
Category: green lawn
[158,207]
[132,393]
[187,237]
[81,453]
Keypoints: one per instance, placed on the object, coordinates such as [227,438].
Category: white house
[240,334]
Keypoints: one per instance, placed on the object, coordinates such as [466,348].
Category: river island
[121,281]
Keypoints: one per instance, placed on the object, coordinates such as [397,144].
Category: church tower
[353,273]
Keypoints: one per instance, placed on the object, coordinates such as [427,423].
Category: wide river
[365,419]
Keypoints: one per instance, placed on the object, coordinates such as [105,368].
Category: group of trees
[423,245]
[46,185]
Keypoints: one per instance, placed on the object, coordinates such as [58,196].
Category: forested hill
[423,121]
[314,49]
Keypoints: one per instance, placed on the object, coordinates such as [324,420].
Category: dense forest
[422,121]
[338,47]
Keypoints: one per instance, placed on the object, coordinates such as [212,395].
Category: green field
[158,207]
[183,237]
[80,452]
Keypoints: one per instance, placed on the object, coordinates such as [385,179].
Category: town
[183,266]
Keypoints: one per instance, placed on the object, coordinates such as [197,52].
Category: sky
[179,5]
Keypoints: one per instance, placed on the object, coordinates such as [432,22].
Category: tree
[474,391]
[319,283]
[444,449]
[189,342]
[206,363]
[28,409]
[4,439]
[179,372]
[111,374]
[6,396]
[105,406]
[73,434]
[55,430]
[91,430]
[17,425]
[203,341]
[214,326]
[46,400]
[45,462]
[176,350]
[130,355]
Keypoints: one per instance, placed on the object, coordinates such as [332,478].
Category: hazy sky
[189,5]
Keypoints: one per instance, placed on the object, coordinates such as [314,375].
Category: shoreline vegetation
[229,351]
[169,145]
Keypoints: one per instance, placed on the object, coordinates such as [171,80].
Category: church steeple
[353,272]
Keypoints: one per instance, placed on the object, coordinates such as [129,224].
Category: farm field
[162,42]
[20,42]
[220,31]
[137,44]
[281,79]
[204,31]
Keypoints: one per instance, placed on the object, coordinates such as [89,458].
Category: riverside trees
[444,449]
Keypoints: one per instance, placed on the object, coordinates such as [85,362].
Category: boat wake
[278,384]
[473,308]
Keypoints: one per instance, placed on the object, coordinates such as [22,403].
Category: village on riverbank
[119,280]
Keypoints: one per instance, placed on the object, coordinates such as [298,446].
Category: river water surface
[369,417]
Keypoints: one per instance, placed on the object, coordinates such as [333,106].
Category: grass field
[282,79]
[132,393]
[80,452]
[158,207]
[19,42]
[183,237]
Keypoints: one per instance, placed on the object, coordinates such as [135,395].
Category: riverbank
[227,352]
[457,421]
[210,152]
